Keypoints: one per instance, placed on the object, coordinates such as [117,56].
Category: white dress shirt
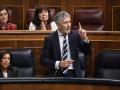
[5,74]
[61,38]
[32,26]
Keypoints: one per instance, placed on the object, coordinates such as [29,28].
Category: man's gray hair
[60,16]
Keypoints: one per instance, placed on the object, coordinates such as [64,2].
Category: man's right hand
[65,63]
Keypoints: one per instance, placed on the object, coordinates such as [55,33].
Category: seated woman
[42,20]
[4,20]
[6,70]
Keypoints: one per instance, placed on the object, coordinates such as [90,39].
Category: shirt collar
[60,34]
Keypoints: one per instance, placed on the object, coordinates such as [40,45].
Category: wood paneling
[69,5]
[86,3]
[31,86]
[116,18]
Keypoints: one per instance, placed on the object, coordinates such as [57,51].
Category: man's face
[65,25]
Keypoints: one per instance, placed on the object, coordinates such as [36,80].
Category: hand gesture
[65,63]
[82,32]
[43,27]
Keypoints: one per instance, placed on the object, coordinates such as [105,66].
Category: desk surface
[58,84]
[61,80]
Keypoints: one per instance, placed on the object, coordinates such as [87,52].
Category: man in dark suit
[52,53]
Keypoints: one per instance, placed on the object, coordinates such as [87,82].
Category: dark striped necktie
[65,46]
[65,54]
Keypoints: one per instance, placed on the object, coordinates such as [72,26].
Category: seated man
[60,50]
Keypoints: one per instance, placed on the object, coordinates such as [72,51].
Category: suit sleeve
[85,47]
[46,54]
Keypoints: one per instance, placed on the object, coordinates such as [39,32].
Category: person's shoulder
[1,73]
[54,26]
[74,32]
[52,35]
[32,26]
[31,23]
[14,70]
[11,26]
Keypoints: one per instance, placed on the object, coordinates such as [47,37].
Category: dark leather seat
[22,59]
[108,65]
[29,16]
[90,19]
[82,63]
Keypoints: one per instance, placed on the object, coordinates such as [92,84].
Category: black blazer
[12,72]
[51,51]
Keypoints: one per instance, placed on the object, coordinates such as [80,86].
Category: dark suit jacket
[51,51]
[12,72]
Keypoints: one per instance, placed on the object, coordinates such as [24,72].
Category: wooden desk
[100,40]
[58,84]
[38,35]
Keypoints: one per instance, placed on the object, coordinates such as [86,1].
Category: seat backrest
[108,65]
[29,15]
[90,19]
[23,60]
[16,16]
[82,63]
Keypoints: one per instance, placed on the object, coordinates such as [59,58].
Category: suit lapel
[1,73]
[70,38]
[57,46]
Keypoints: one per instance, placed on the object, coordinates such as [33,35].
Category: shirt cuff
[57,65]
[86,40]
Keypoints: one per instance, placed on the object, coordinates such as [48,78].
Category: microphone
[65,71]
[55,73]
